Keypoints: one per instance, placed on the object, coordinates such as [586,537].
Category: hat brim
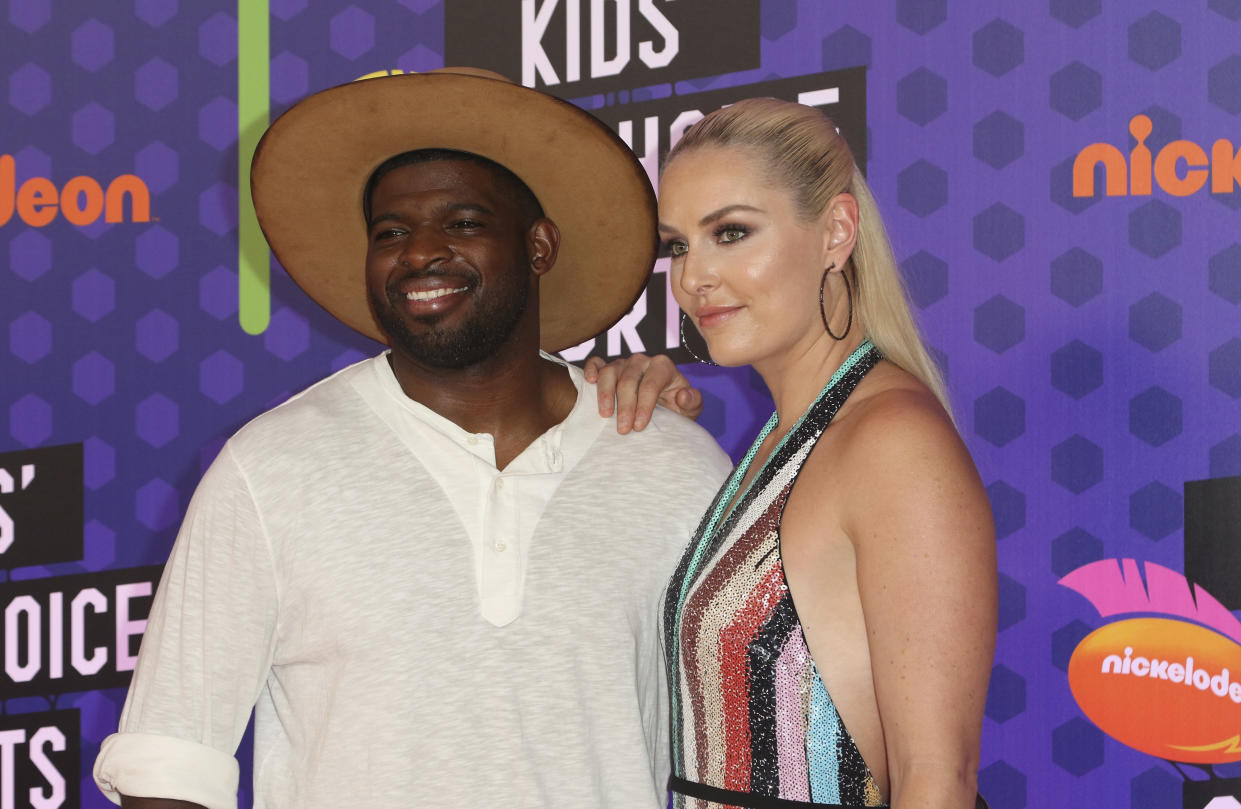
[311,167]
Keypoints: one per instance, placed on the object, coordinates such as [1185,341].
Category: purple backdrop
[1092,344]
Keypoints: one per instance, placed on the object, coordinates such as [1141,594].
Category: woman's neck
[796,378]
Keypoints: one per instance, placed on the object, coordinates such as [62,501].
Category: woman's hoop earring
[848,292]
[685,345]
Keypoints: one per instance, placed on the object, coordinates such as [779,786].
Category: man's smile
[432,294]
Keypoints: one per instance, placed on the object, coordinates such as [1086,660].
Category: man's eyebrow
[453,207]
[382,217]
[460,207]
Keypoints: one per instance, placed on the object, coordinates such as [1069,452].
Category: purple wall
[1092,344]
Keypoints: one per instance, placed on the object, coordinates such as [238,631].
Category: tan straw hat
[312,164]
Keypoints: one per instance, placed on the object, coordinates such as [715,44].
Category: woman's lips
[709,316]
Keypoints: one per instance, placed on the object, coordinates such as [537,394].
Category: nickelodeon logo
[1181,669]
[1169,687]
[82,200]
[1181,168]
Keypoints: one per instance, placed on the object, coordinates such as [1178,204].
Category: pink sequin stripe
[791,718]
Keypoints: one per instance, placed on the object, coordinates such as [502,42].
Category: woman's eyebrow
[725,211]
[715,216]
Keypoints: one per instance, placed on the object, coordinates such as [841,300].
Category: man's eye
[386,234]
[466,224]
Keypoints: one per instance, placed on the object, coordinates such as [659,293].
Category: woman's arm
[924,539]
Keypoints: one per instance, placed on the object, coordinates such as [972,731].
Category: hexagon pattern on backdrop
[1093,345]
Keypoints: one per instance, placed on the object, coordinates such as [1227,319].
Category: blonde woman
[829,630]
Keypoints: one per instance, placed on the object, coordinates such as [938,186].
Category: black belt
[749,800]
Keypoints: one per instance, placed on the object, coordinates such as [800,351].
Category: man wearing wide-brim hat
[434,576]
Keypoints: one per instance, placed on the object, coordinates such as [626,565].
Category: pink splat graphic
[1115,587]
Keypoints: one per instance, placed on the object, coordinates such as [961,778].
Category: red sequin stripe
[735,675]
[705,596]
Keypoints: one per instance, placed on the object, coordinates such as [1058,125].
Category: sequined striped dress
[752,723]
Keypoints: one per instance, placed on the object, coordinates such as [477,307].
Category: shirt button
[472,440]
[501,547]
[499,483]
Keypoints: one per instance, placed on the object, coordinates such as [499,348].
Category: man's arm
[205,656]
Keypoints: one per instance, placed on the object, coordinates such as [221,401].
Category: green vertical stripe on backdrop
[253,113]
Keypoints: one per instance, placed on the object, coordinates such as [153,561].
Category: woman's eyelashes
[724,234]
[671,248]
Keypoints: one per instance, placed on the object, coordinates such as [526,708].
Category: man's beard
[478,338]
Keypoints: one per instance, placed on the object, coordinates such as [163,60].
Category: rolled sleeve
[144,765]
[205,656]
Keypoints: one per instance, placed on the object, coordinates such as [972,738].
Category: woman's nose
[697,275]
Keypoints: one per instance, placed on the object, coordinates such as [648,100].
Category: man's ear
[839,222]
[542,245]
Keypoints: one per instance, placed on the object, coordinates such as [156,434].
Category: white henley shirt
[322,577]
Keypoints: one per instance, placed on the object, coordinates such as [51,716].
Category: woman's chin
[729,356]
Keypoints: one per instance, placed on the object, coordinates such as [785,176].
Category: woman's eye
[673,249]
[732,234]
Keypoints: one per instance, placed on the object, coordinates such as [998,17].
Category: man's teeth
[432,294]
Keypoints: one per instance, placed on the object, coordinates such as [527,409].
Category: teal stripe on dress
[822,741]
[718,515]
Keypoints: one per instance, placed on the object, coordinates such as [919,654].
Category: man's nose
[425,247]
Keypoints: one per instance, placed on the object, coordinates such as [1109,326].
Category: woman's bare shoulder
[892,414]
[897,453]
